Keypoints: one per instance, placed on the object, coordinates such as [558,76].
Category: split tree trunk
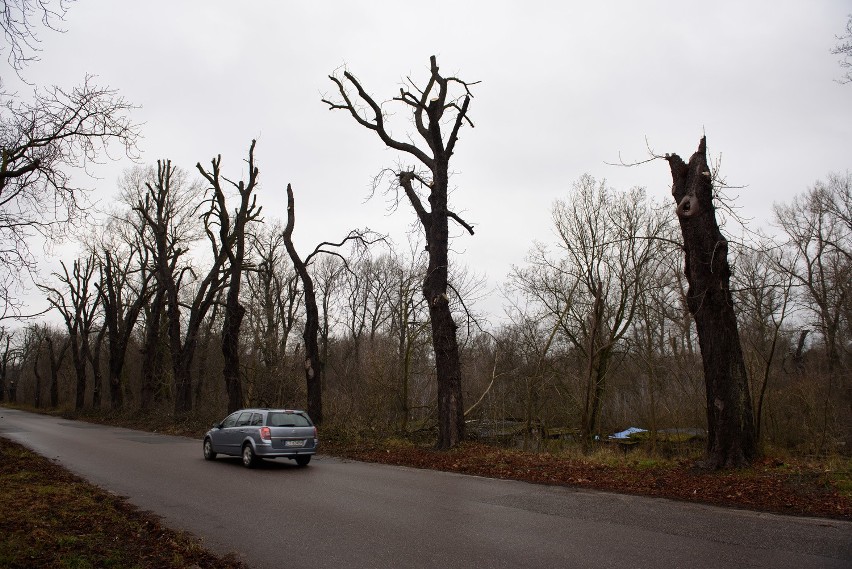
[730,423]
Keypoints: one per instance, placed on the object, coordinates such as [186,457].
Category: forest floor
[793,486]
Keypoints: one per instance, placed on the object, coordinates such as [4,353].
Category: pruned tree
[77,302]
[167,209]
[433,107]
[40,142]
[730,421]
[122,299]
[232,248]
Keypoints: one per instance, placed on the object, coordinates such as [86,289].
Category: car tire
[249,458]
[303,459]
[209,453]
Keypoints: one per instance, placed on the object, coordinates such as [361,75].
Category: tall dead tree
[313,361]
[731,435]
[313,366]
[432,108]
[232,243]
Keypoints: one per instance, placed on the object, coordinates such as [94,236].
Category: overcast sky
[566,87]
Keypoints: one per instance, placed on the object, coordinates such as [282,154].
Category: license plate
[294,443]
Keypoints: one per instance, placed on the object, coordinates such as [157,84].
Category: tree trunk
[79,361]
[94,356]
[444,341]
[730,423]
[232,243]
[4,368]
[234,313]
[38,381]
[429,106]
[313,366]
[152,358]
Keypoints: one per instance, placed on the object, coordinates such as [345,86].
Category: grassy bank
[50,518]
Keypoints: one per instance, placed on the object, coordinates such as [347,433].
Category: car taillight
[316,435]
[265,434]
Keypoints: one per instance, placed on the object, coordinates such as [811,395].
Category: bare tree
[38,336]
[408,320]
[844,50]
[19,20]
[162,227]
[272,313]
[730,422]
[313,360]
[6,355]
[819,241]
[40,141]
[232,246]
[764,298]
[608,244]
[433,107]
[122,304]
[94,356]
[77,302]
[167,208]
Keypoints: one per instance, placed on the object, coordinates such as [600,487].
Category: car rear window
[287,420]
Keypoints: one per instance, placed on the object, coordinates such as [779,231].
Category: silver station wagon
[263,433]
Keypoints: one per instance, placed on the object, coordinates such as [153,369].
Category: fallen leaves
[770,485]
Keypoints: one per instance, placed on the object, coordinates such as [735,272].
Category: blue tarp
[625,434]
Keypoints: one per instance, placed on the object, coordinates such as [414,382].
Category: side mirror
[217,425]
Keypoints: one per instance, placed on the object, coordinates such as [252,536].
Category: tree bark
[730,423]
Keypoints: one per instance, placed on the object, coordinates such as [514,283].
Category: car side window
[256,420]
[230,420]
[245,419]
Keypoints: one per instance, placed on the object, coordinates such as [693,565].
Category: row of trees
[600,335]
[609,312]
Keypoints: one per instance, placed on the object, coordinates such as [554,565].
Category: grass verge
[50,518]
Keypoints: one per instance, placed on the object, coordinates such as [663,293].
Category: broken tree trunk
[730,423]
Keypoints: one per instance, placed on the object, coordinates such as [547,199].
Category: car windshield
[287,420]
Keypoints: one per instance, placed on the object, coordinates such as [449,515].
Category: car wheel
[209,454]
[303,459]
[249,459]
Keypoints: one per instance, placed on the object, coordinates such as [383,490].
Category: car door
[237,434]
[226,437]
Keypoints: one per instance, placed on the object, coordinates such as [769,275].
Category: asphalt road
[338,513]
